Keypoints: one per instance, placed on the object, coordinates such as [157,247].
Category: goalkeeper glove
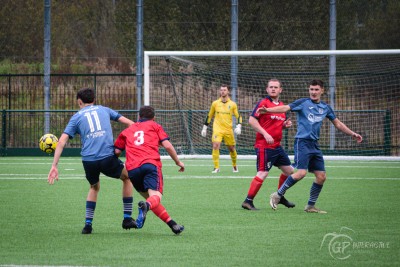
[204,131]
[238,129]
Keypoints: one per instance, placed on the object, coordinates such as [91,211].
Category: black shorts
[110,166]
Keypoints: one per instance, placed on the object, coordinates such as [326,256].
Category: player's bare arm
[280,109]
[172,153]
[125,121]
[343,128]
[53,173]
[257,127]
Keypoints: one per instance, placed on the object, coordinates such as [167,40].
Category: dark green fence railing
[21,130]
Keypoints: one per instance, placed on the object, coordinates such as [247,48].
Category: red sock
[153,201]
[161,213]
[255,185]
[282,179]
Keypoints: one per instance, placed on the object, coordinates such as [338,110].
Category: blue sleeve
[298,104]
[331,114]
[71,129]
[113,114]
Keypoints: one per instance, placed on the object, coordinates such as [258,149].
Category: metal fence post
[95,83]
[9,91]
[3,132]
[387,134]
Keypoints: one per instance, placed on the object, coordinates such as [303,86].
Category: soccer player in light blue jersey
[307,154]
[92,123]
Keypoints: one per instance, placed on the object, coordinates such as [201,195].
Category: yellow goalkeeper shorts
[229,139]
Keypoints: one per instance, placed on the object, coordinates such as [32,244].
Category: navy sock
[286,185]
[90,208]
[127,206]
[314,193]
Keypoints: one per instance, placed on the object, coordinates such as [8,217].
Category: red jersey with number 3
[270,122]
[141,141]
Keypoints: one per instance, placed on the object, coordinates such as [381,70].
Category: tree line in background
[100,36]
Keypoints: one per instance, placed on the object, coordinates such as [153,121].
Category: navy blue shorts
[110,166]
[307,155]
[268,157]
[147,176]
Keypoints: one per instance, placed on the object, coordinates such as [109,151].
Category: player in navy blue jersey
[307,154]
[92,123]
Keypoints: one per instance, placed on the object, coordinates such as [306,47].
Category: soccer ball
[48,143]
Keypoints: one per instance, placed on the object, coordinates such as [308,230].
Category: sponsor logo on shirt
[275,117]
[312,118]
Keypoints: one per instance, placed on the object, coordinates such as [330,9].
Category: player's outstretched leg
[286,202]
[176,228]
[162,213]
[255,186]
[143,208]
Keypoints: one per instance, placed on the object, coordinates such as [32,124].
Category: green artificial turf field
[41,224]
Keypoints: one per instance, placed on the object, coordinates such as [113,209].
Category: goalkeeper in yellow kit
[223,109]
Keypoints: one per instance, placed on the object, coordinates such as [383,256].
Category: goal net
[363,86]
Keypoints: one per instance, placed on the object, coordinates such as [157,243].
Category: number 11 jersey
[92,123]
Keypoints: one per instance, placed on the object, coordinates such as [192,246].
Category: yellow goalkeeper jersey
[223,112]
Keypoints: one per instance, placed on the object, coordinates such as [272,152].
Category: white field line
[360,159]
[12,265]
[223,165]
[39,177]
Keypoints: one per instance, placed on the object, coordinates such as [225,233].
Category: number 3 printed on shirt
[139,138]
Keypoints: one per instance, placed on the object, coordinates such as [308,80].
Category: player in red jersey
[268,143]
[141,142]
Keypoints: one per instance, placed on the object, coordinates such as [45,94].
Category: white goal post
[181,85]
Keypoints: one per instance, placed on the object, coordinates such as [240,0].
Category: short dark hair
[146,112]
[227,86]
[317,82]
[87,95]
